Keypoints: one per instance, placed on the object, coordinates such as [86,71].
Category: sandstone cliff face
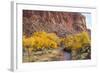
[61,23]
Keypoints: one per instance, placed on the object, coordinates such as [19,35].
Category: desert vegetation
[51,47]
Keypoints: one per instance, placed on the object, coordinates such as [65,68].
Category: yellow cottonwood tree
[76,41]
[40,40]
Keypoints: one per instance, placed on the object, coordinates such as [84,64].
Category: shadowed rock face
[61,23]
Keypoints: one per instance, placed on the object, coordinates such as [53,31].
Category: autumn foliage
[41,40]
[76,41]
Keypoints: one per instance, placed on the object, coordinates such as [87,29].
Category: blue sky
[88,19]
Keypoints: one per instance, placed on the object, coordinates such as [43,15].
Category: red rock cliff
[61,23]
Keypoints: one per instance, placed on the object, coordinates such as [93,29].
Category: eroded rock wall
[61,23]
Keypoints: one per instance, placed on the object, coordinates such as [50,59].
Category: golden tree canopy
[76,41]
[40,40]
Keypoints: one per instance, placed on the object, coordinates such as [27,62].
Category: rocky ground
[50,55]
[57,55]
